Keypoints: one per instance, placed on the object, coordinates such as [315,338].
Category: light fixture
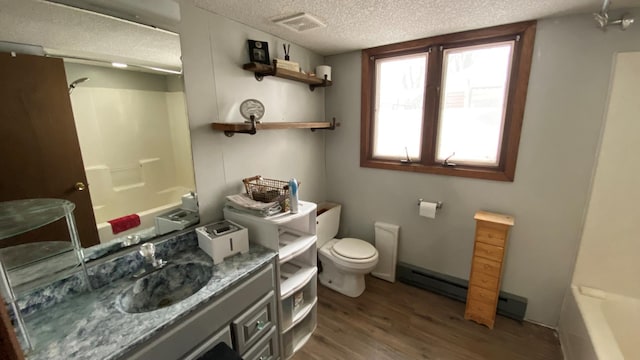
[300,22]
[168,71]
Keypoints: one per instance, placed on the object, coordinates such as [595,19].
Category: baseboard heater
[509,305]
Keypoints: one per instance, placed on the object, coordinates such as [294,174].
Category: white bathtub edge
[602,339]
[147,220]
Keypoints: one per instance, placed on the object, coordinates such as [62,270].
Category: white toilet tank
[327,221]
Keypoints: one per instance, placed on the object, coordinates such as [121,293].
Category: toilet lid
[354,248]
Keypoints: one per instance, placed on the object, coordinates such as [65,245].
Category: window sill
[461,171]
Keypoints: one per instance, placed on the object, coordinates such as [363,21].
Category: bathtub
[595,325]
[147,220]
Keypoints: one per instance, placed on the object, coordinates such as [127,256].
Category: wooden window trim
[521,66]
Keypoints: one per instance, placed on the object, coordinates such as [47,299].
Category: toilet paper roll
[323,70]
[428,209]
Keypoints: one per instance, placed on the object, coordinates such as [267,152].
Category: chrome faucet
[151,264]
[131,240]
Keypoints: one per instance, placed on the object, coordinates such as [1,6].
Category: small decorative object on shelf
[261,70]
[287,50]
[253,111]
[287,65]
[259,52]
[323,72]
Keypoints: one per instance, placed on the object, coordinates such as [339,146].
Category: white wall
[213,51]
[180,138]
[563,117]
[610,249]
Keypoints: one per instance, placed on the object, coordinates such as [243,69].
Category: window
[400,85]
[451,105]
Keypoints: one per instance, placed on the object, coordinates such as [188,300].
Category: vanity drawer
[223,335]
[489,251]
[266,349]
[254,323]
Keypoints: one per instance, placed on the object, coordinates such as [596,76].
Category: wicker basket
[268,190]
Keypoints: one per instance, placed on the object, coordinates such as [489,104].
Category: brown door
[39,150]
[9,347]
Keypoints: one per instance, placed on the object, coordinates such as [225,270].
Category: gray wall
[563,119]
[213,51]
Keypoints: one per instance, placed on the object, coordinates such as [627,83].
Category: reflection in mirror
[31,262]
[133,133]
[134,138]
[17,256]
[131,124]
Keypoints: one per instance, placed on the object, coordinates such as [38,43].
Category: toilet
[344,261]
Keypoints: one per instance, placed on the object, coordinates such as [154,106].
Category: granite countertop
[91,325]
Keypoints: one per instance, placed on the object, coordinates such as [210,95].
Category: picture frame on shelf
[259,52]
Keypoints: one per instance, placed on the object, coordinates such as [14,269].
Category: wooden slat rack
[262,70]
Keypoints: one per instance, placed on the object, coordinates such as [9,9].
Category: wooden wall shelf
[262,70]
[248,128]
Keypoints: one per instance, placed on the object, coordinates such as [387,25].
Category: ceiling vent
[300,22]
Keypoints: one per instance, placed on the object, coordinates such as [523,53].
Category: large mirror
[134,138]
[127,98]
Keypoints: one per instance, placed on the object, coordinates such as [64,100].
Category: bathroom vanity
[236,305]
[234,318]
[294,237]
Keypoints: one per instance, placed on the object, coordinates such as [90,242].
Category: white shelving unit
[294,237]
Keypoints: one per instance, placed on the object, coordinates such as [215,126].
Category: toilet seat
[347,262]
[354,249]
[342,274]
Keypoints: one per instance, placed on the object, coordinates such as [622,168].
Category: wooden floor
[398,321]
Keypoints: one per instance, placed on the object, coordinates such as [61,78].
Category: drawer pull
[260,324]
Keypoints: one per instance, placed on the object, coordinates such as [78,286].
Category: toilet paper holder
[438,204]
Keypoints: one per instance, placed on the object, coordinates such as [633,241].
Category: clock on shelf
[252,110]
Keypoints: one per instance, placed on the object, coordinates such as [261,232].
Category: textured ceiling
[67,31]
[353,25]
